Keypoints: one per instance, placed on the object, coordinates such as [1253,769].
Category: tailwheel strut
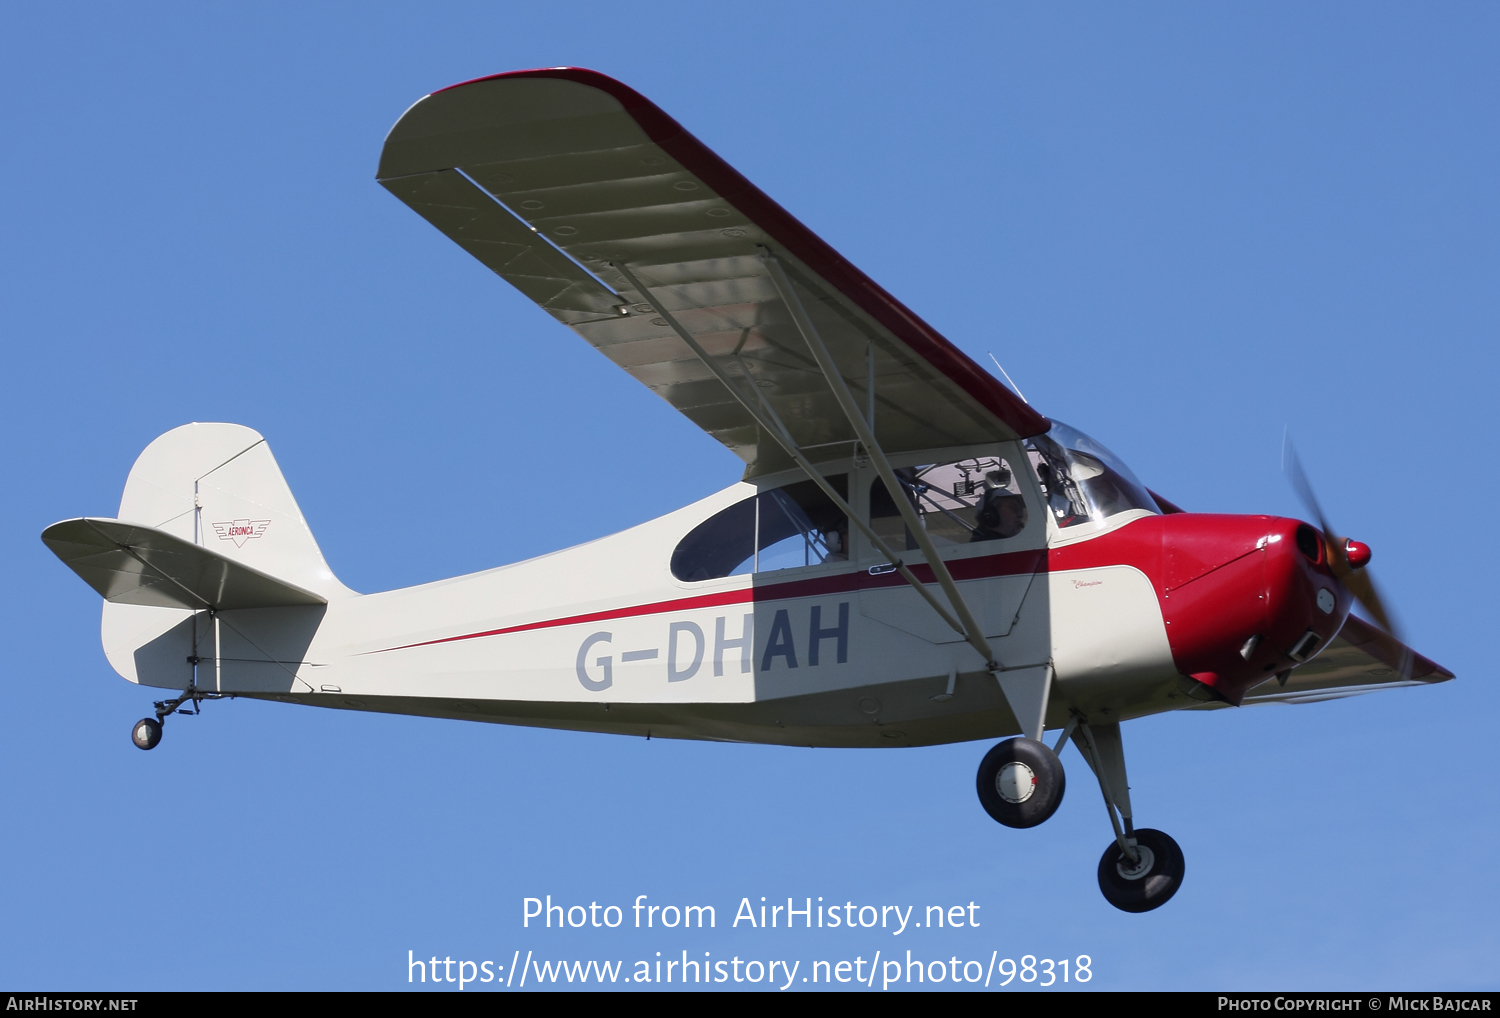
[147,732]
[1141,869]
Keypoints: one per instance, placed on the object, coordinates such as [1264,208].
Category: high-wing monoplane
[913,556]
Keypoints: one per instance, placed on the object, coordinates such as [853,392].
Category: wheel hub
[1137,870]
[1016,782]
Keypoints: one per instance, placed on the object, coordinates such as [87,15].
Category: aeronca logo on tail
[240,531]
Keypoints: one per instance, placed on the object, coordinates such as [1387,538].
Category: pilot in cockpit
[1001,513]
[1055,484]
[836,542]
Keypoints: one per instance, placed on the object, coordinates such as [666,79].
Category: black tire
[146,733]
[1002,783]
[1150,889]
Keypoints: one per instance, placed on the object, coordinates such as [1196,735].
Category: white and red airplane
[914,555]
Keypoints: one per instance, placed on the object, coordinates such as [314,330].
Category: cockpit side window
[794,525]
[971,500]
[1082,480]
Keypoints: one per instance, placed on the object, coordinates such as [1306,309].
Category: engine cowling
[1244,598]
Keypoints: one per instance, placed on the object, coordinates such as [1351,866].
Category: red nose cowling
[1243,597]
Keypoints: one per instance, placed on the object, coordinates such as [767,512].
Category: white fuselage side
[603,637]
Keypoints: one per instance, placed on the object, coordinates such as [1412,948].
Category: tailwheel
[1021,783]
[146,733]
[1148,881]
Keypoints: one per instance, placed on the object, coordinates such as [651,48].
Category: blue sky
[1181,227]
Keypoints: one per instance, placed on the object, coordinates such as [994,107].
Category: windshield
[1084,481]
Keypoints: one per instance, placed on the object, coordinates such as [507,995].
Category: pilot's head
[1004,513]
[1012,515]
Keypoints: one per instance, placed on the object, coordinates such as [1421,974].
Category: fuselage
[1136,612]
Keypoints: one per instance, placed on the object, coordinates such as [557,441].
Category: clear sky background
[1182,228]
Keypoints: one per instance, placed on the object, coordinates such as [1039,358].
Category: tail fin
[214,521]
[217,485]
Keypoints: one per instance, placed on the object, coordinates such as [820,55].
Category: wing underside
[1361,659]
[554,178]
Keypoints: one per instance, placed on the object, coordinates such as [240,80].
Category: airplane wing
[1360,659]
[551,178]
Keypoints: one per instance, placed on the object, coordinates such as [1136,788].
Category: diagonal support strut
[771,423]
[1026,693]
[1102,748]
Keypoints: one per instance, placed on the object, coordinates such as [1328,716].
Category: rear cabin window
[787,527]
[958,503]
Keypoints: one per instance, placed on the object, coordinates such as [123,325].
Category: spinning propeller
[1347,560]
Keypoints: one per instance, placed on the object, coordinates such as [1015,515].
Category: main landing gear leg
[1142,869]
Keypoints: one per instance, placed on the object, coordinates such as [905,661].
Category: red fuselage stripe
[991,565]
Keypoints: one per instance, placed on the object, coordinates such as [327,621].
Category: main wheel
[146,734]
[1021,783]
[1147,884]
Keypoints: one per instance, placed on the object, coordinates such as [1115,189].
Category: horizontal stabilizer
[133,564]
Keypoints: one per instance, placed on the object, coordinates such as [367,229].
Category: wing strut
[1026,693]
[770,422]
[1026,689]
